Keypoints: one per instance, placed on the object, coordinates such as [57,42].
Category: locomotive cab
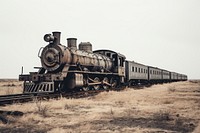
[118,62]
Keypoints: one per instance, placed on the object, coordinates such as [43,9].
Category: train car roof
[137,63]
[155,67]
[110,51]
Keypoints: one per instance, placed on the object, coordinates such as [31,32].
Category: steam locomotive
[65,69]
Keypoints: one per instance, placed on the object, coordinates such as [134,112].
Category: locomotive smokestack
[53,39]
[57,38]
[71,43]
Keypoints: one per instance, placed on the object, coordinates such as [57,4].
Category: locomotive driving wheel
[97,86]
[105,83]
[113,82]
[86,88]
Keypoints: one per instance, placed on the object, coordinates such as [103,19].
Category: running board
[43,87]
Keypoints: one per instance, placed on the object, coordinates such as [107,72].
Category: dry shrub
[119,98]
[197,129]
[171,89]
[194,81]
[161,116]
[131,112]
[3,119]
[178,122]
[111,112]
[168,102]
[7,117]
[70,107]
[120,103]
[9,85]
[41,108]
[57,130]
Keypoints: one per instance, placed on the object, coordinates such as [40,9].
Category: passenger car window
[133,69]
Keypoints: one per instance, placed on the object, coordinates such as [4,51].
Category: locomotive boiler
[65,68]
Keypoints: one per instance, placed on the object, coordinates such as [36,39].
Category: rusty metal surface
[90,59]
[85,46]
[54,56]
[42,87]
[71,43]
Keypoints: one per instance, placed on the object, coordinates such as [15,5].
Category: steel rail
[20,98]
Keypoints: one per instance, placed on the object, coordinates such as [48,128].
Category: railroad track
[20,98]
[8,99]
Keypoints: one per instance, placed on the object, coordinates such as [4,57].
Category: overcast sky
[161,33]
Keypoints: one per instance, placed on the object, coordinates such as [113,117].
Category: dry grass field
[10,86]
[170,108]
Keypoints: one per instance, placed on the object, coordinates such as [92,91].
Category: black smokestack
[57,38]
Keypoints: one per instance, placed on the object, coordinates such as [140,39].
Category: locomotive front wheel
[61,87]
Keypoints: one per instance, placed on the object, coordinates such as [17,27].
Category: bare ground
[170,108]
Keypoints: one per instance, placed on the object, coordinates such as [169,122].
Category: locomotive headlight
[50,57]
[49,37]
